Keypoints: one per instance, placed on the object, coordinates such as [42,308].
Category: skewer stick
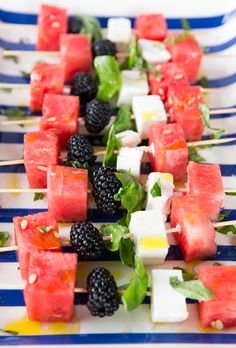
[184,189]
[176,229]
[11,162]
[27,190]
[35,120]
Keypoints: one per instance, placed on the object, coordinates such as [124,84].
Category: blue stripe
[173,23]
[121,338]
[221,47]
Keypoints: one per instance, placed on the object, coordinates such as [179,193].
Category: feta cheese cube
[129,159]
[129,138]
[119,29]
[148,110]
[167,187]
[154,52]
[150,239]
[134,82]
[167,305]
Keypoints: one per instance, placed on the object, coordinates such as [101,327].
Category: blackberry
[75,25]
[86,240]
[104,47]
[103,298]
[83,85]
[80,150]
[105,186]
[97,115]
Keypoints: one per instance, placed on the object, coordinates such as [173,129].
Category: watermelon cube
[219,312]
[151,27]
[45,78]
[60,116]
[169,150]
[49,292]
[32,233]
[67,193]
[76,54]
[197,237]
[40,150]
[205,183]
[189,53]
[183,107]
[168,74]
[52,22]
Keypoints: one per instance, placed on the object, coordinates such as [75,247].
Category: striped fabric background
[214,23]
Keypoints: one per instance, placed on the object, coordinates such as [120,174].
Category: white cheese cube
[148,110]
[134,82]
[119,29]
[150,239]
[129,159]
[167,186]
[167,305]
[154,52]
[129,138]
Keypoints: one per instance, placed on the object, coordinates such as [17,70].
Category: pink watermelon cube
[76,54]
[32,233]
[68,193]
[197,237]
[45,78]
[189,53]
[60,116]
[169,74]
[205,183]
[169,150]
[151,26]
[52,22]
[183,108]
[219,312]
[49,293]
[40,150]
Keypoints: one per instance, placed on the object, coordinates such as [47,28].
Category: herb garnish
[4,236]
[156,189]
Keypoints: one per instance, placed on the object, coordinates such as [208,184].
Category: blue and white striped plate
[214,23]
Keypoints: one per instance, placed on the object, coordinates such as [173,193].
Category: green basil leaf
[45,229]
[122,122]
[194,156]
[15,113]
[226,229]
[4,236]
[172,40]
[136,59]
[193,289]
[187,275]
[185,24]
[109,75]
[38,196]
[10,332]
[113,144]
[203,82]
[156,189]
[126,251]
[206,121]
[223,215]
[230,193]
[132,194]
[25,74]
[116,232]
[136,291]
[91,26]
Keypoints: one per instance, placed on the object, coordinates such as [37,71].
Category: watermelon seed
[24,224]
[218,325]
[42,168]
[32,278]
[56,234]
[178,76]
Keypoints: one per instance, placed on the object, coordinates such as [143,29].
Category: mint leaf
[193,289]
[116,231]
[186,274]
[113,143]
[185,24]
[194,156]
[226,229]
[223,215]
[91,26]
[38,196]
[156,189]
[4,236]
[126,251]
[132,194]
[122,122]
[109,76]
[206,121]
[136,291]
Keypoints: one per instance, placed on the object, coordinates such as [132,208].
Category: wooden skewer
[35,120]
[176,229]
[27,190]
[184,189]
